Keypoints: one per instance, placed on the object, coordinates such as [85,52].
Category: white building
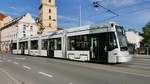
[133,37]
[21,27]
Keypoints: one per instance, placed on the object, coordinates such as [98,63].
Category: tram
[97,43]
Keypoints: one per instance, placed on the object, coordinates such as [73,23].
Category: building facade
[48,15]
[134,38]
[21,27]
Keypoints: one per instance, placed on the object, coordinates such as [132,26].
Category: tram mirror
[112,25]
[123,32]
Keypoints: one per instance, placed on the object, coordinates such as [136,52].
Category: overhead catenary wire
[116,15]
[128,13]
[96,4]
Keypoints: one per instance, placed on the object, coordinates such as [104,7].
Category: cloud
[19,10]
[143,16]
[73,22]
[67,18]
[13,7]
[137,19]
[119,3]
[123,2]
[87,22]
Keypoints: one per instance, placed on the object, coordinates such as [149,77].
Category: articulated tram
[96,43]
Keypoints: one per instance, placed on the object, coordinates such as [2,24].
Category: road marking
[27,67]
[45,74]
[16,63]
[9,60]
[20,58]
[11,77]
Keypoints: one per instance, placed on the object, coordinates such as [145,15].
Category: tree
[146,35]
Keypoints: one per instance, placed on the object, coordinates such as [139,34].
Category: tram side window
[51,44]
[20,45]
[26,45]
[34,44]
[72,43]
[14,45]
[58,44]
[79,43]
[112,41]
[23,45]
[44,44]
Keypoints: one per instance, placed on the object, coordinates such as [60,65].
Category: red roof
[2,16]
[14,21]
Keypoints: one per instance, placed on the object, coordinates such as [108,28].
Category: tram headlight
[115,53]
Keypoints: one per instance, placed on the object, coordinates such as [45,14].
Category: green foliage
[146,31]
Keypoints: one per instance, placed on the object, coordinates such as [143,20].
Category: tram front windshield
[122,38]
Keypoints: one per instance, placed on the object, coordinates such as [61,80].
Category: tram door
[99,48]
[51,48]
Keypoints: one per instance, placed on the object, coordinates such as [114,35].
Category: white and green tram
[97,43]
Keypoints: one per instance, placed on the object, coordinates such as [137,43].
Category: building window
[24,28]
[50,17]
[31,28]
[50,25]
[49,10]
[16,25]
[24,35]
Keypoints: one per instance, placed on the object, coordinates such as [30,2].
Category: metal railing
[140,51]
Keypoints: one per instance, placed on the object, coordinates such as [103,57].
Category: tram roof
[87,27]
[52,33]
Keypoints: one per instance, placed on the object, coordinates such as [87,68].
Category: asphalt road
[18,69]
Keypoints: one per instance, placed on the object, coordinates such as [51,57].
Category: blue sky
[132,13]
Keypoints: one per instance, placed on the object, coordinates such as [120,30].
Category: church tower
[48,15]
